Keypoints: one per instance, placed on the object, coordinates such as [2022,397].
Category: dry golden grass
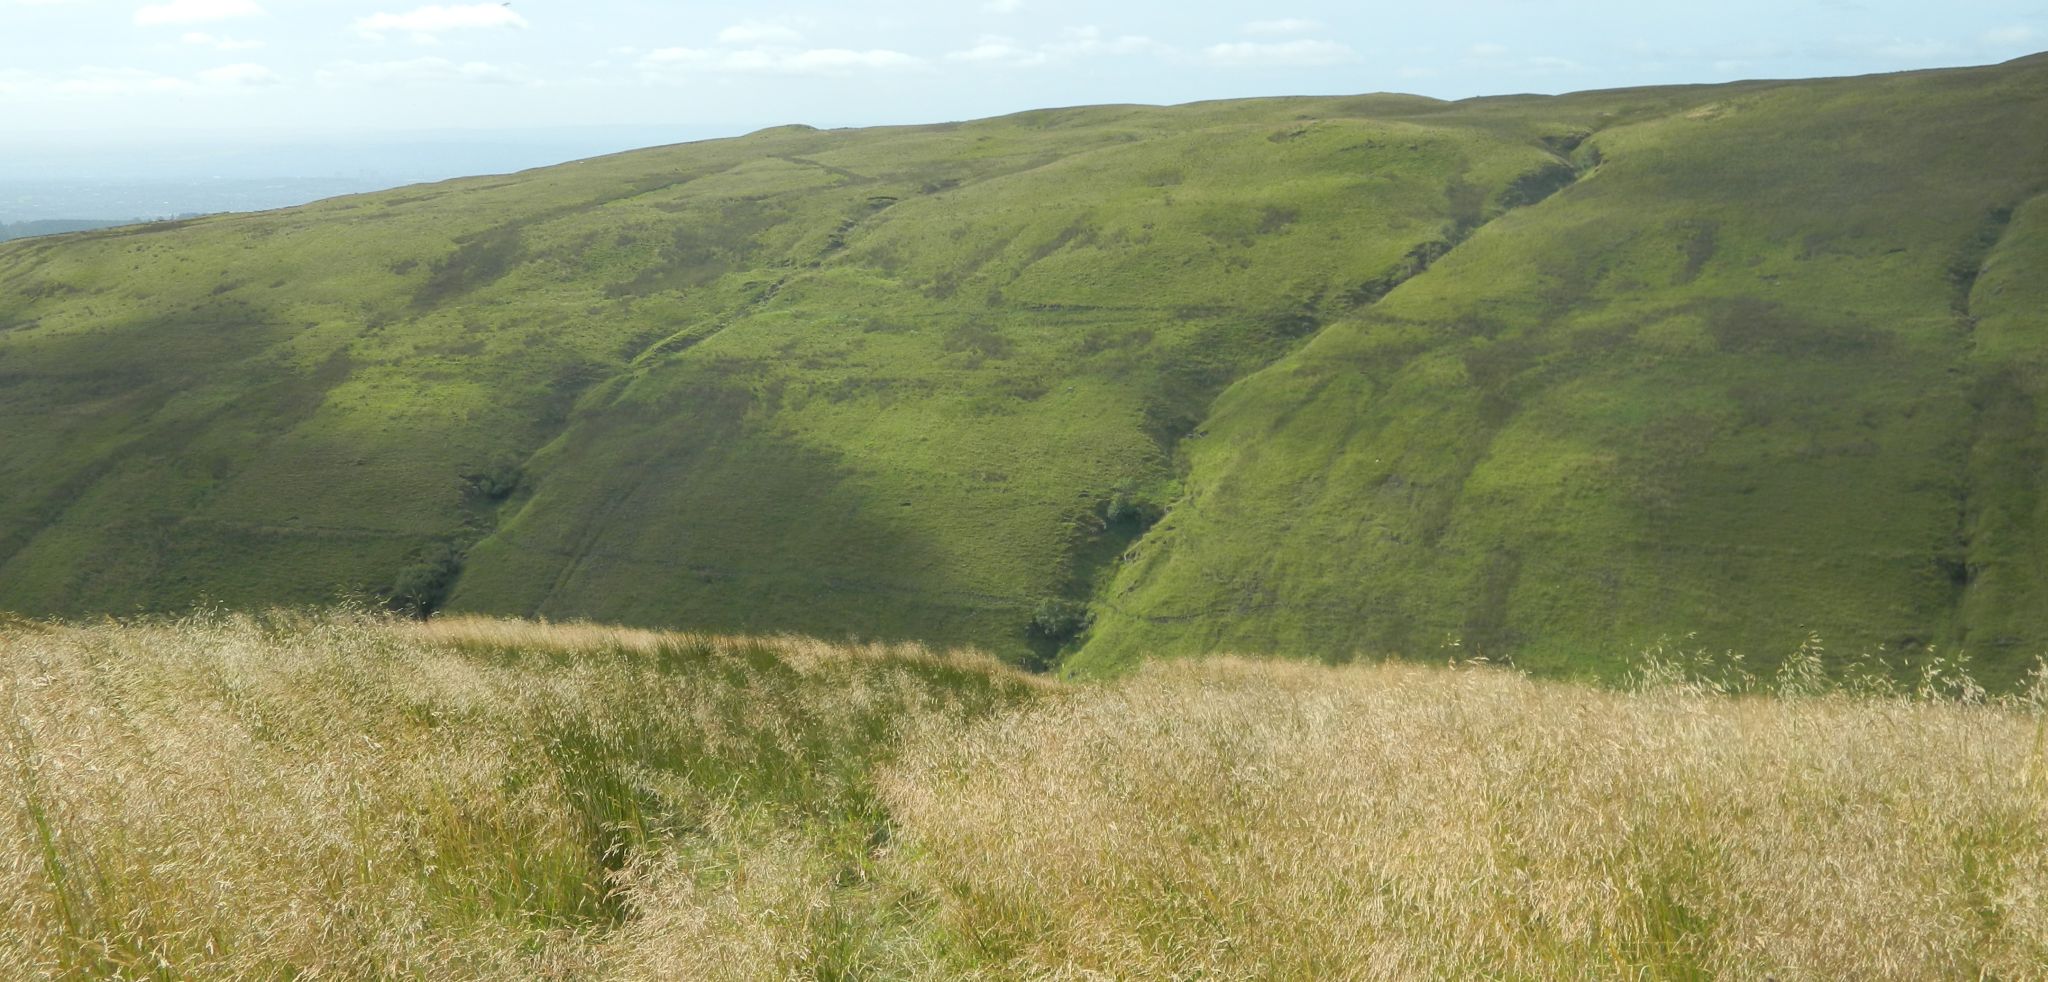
[1237,819]
[348,797]
[798,651]
[343,797]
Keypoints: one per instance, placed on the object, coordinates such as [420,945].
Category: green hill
[1549,377]
[23,230]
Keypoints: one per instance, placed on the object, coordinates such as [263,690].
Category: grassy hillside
[1550,375]
[1769,366]
[875,382]
[343,798]
[23,230]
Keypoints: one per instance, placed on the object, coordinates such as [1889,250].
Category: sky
[90,73]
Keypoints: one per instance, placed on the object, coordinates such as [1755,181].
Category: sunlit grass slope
[879,382]
[1771,365]
[1555,376]
[346,798]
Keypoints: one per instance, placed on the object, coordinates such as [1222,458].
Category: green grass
[1552,376]
[55,226]
[1731,382]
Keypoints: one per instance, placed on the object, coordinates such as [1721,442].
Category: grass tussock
[226,797]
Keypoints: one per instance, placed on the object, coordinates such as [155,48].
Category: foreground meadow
[349,797]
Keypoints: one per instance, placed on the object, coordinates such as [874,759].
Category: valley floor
[340,796]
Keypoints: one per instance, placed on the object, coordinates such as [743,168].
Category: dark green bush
[421,588]
[1132,512]
[1058,620]
[1537,185]
[498,479]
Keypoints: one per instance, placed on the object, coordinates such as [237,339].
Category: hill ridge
[1370,374]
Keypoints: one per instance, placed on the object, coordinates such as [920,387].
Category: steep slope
[2005,518]
[874,382]
[1744,379]
[1548,377]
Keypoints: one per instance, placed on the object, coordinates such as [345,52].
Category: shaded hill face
[1549,376]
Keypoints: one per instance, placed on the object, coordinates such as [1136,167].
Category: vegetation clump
[1133,514]
[423,586]
[1059,620]
[496,480]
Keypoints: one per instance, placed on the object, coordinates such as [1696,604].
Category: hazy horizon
[164,175]
[112,93]
[94,67]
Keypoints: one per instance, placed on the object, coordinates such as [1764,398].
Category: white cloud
[419,70]
[999,49]
[2014,36]
[1926,50]
[240,74]
[95,81]
[1091,41]
[423,24]
[830,60]
[1302,54]
[205,40]
[779,61]
[195,11]
[1501,58]
[1078,42]
[1282,26]
[113,81]
[760,32]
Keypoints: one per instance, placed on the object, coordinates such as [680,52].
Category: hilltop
[1538,378]
[24,230]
